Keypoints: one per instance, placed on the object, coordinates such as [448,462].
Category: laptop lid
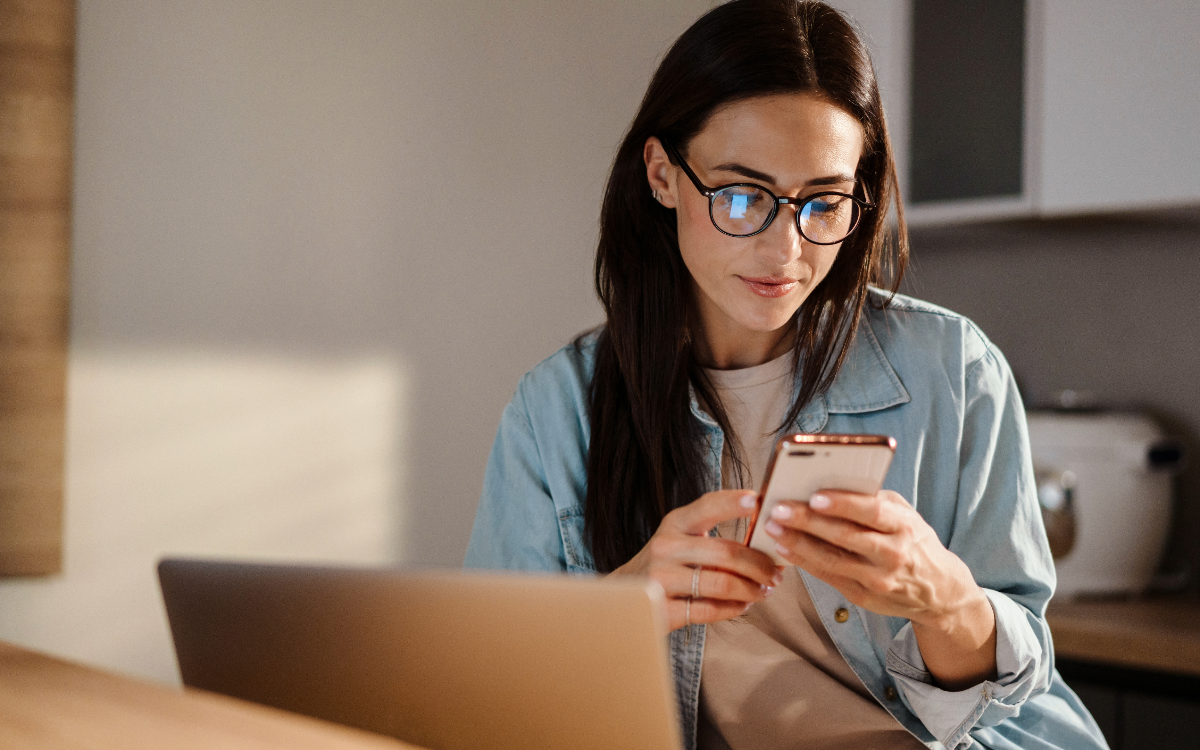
[441,659]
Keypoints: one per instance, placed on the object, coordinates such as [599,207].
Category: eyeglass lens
[742,210]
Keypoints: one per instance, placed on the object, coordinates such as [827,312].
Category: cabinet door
[1120,104]
[1153,723]
[1104,703]
[968,96]
[1112,105]
[955,179]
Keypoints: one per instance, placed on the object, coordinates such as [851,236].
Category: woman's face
[748,288]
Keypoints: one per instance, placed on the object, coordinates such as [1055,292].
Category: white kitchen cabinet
[1111,119]
[1120,121]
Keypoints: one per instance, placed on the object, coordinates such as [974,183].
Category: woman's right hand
[732,576]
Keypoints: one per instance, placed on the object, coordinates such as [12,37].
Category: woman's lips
[768,286]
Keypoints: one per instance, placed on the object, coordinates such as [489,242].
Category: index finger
[712,508]
[871,511]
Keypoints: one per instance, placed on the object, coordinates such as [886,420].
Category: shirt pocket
[578,554]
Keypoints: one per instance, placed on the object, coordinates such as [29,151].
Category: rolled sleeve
[997,531]
[1021,672]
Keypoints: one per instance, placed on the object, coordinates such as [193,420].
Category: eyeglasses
[745,209]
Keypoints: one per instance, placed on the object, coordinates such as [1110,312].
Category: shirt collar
[867,382]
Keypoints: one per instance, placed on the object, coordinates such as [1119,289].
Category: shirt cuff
[1022,669]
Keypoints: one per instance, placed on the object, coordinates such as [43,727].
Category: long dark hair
[647,451]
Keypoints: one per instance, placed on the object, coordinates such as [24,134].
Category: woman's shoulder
[560,380]
[907,328]
[570,366]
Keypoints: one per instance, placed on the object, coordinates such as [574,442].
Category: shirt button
[889,692]
[841,614]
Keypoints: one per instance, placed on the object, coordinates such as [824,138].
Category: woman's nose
[782,242]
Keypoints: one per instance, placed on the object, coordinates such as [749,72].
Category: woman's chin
[764,316]
[766,323]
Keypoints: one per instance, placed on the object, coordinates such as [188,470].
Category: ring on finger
[687,613]
[696,583]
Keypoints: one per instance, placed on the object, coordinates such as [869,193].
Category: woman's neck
[736,350]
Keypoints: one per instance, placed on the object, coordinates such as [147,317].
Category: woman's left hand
[882,556]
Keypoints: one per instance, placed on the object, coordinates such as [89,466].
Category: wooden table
[1160,633]
[49,704]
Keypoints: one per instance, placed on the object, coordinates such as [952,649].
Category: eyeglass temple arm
[705,190]
[867,202]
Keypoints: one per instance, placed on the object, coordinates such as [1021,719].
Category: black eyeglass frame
[711,193]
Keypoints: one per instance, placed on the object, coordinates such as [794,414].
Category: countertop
[1159,633]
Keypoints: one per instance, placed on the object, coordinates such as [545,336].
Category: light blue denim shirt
[928,378]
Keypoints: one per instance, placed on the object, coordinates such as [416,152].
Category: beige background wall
[315,245]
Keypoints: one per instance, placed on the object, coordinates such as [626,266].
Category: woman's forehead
[794,137]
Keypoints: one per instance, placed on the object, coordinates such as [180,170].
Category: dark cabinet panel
[1151,721]
[1138,709]
[968,84]
[1105,705]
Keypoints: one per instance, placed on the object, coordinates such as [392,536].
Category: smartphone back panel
[804,464]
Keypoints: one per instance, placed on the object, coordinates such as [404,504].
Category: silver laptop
[441,659]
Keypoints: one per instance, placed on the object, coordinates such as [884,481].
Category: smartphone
[803,464]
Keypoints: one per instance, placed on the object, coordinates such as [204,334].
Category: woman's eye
[823,206]
[738,204]
[827,205]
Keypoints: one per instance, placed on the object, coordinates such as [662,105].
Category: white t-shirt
[772,678]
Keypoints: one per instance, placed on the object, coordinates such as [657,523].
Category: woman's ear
[660,173]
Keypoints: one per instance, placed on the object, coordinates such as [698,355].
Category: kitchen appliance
[1105,486]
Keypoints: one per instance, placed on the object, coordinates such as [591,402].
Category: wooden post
[37,61]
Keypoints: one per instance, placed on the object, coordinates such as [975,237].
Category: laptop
[441,659]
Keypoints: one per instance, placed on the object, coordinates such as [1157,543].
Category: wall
[316,244]
[1103,305]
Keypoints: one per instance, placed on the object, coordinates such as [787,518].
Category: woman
[743,223]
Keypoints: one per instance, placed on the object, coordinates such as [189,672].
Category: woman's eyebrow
[745,171]
[754,174]
[835,179]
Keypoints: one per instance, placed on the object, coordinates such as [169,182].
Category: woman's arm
[884,557]
[992,524]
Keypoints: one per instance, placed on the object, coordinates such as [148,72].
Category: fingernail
[747,501]
[768,590]
[820,502]
[782,550]
[777,578]
[773,528]
[781,511]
